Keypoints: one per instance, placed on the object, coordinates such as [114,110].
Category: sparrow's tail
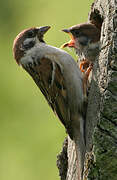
[79,138]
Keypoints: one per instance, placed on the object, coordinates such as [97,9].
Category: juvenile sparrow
[85,39]
[56,74]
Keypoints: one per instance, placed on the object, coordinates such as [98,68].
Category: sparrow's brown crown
[20,44]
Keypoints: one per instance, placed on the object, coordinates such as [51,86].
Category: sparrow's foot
[84,64]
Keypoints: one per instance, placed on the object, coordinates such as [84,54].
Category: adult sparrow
[85,39]
[56,74]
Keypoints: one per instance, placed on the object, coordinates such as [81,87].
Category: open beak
[71,43]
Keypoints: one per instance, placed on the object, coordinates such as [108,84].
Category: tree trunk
[101,120]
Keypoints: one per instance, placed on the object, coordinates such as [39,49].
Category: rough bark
[101,121]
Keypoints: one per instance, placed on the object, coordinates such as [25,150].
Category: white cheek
[27,41]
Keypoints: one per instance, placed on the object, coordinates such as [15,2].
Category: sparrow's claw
[81,67]
[84,64]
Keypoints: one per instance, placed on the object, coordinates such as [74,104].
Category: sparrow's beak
[42,30]
[71,43]
[66,30]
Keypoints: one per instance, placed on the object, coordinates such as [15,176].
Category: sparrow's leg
[87,72]
[85,78]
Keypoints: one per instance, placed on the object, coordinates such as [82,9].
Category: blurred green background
[30,134]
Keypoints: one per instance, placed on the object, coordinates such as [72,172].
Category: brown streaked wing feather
[54,91]
[61,99]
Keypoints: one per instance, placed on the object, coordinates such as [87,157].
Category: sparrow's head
[81,35]
[27,39]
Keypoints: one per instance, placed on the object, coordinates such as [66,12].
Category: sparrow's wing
[49,78]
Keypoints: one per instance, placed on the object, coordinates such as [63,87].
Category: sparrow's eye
[75,32]
[31,34]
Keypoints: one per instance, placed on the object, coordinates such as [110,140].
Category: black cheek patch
[29,45]
[83,40]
